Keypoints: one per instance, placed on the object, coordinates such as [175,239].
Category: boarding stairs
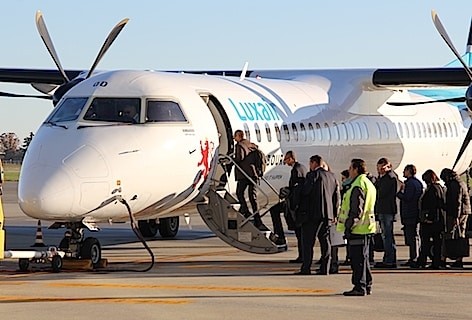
[220,213]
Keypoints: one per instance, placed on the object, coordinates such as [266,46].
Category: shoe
[383,265]
[457,265]
[302,273]
[297,260]
[333,271]
[346,263]
[320,273]
[354,293]
[280,241]
[368,291]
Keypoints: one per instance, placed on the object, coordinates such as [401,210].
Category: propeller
[468,94]
[68,84]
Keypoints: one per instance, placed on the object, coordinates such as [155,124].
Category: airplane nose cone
[45,192]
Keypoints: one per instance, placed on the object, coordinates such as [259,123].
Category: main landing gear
[76,247]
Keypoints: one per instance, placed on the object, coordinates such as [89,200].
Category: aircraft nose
[44,192]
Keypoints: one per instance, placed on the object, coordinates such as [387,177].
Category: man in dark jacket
[409,195]
[318,211]
[242,150]
[457,205]
[385,210]
[289,203]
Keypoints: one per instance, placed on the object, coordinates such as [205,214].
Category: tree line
[10,147]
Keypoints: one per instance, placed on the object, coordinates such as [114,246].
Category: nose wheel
[77,247]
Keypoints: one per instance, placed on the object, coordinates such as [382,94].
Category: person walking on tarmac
[357,221]
[318,211]
[242,150]
[290,198]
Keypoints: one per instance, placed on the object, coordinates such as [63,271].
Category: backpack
[258,160]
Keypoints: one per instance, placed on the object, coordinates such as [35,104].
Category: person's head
[447,174]
[315,162]
[357,167]
[238,135]
[383,166]
[429,177]
[290,158]
[129,111]
[409,171]
[344,175]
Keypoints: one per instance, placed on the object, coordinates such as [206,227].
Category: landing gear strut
[75,246]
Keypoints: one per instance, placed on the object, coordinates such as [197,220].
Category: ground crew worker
[357,221]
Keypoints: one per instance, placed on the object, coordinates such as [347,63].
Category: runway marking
[192,287]
[22,299]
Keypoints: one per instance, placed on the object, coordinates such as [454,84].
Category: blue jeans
[386,224]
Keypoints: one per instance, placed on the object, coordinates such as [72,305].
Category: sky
[210,35]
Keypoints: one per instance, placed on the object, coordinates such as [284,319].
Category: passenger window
[68,110]
[295,131]
[277,132]
[247,132]
[125,110]
[303,131]
[164,111]
[269,134]
[312,131]
[258,132]
[286,132]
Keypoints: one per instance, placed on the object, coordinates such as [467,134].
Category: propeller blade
[106,45]
[458,99]
[15,95]
[43,32]
[466,142]
[445,36]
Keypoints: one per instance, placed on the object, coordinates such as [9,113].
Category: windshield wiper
[53,124]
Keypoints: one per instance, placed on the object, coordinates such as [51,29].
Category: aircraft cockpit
[121,110]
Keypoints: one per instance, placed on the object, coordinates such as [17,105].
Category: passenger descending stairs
[221,215]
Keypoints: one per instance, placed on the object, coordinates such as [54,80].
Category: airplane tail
[467,57]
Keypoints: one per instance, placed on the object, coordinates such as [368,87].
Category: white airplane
[146,145]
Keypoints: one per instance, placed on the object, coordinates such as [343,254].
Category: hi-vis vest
[366,224]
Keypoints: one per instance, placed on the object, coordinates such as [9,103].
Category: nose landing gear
[76,247]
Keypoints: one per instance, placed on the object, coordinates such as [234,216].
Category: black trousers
[310,231]
[359,254]
[430,237]
[275,212]
[241,187]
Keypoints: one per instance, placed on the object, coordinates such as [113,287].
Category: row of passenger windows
[354,131]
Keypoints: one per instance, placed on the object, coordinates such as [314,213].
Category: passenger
[289,203]
[385,210]
[409,195]
[318,211]
[357,221]
[345,185]
[431,220]
[242,150]
[457,207]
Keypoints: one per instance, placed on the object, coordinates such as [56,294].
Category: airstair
[220,213]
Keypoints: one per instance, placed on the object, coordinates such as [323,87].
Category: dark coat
[457,198]
[409,201]
[321,196]
[386,202]
[432,204]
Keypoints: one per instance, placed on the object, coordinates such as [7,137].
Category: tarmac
[198,276]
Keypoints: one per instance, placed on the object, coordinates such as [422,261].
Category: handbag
[455,246]
[336,238]
[378,242]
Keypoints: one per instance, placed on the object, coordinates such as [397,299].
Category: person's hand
[402,186]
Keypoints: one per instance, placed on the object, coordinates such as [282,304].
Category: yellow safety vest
[366,223]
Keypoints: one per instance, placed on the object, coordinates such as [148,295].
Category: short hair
[316,158]
[345,173]
[429,176]
[290,154]
[359,164]
[447,174]
[383,161]
[411,169]
[239,132]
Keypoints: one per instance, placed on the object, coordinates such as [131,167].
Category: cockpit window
[68,110]
[164,111]
[125,110]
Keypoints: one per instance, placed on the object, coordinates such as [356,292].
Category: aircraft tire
[168,227]
[148,228]
[56,263]
[23,264]
[92,250]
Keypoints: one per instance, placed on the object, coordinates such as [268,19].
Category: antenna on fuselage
[243,72]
